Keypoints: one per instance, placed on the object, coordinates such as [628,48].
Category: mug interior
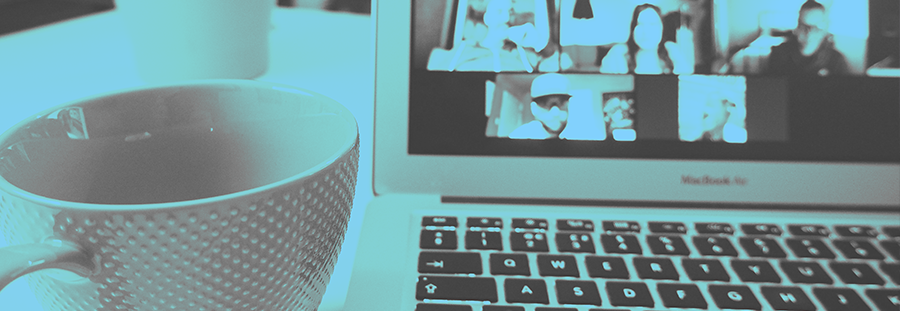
[174,143]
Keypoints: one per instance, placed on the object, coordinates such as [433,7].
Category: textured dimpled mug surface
[214,195]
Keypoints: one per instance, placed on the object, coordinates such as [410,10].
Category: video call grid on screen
[702,79]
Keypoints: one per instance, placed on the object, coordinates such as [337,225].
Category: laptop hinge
[651,204]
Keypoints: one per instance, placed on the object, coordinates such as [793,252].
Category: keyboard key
[449,262]
[714,228]
[760,229]
[606,267]
[891,231]
[529,223]
[621,226]
[734,297]
[554,309]
[502,308]
[484,240]
[509,264]
[856,273]
[755,271]
[667,245]
[805,272]
[629,294]
[574,243]
[437,239]
[577,292]
[762,247]
[528,241]
[856,231]
[705,270]
[439,307]
[858,249]
[439,221]
[620,244]
[840,299]
[892,248]
[892,270]
[667,227]
[484,222]
[681,296]
[574,225]
[885,299]
[808,230]
[655,268]
[714,246]
[557,265]
[456,288]
[810,248]
[787,298]
[526,290]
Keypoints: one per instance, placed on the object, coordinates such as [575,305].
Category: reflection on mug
[72,120]
[12,155]
[66,122]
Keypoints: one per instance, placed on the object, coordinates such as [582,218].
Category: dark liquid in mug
[193,159]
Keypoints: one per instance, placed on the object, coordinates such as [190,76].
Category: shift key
[456,288]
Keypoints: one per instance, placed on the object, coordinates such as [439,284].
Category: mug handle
[52,253]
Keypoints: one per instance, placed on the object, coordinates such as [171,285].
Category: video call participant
[503,38]
[810,49]
[645,51]
[715,121]
[549,106]
[618,114]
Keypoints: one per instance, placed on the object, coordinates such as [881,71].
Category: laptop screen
[690,79]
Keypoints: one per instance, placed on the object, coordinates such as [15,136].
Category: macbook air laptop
[549,155]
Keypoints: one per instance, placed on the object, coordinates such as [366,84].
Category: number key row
[711,245]
[660,227]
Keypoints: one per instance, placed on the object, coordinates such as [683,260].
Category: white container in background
[198,39]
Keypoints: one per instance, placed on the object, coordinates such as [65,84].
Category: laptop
[532,156]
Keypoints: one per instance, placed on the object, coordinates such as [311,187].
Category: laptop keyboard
[538,264]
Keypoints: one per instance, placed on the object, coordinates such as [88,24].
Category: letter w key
[557,265]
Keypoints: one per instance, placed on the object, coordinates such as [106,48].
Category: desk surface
[329,53]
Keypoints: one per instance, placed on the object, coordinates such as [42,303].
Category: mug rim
[344,150]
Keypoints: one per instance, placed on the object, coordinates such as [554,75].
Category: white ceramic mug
[198,39]
[202,195]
